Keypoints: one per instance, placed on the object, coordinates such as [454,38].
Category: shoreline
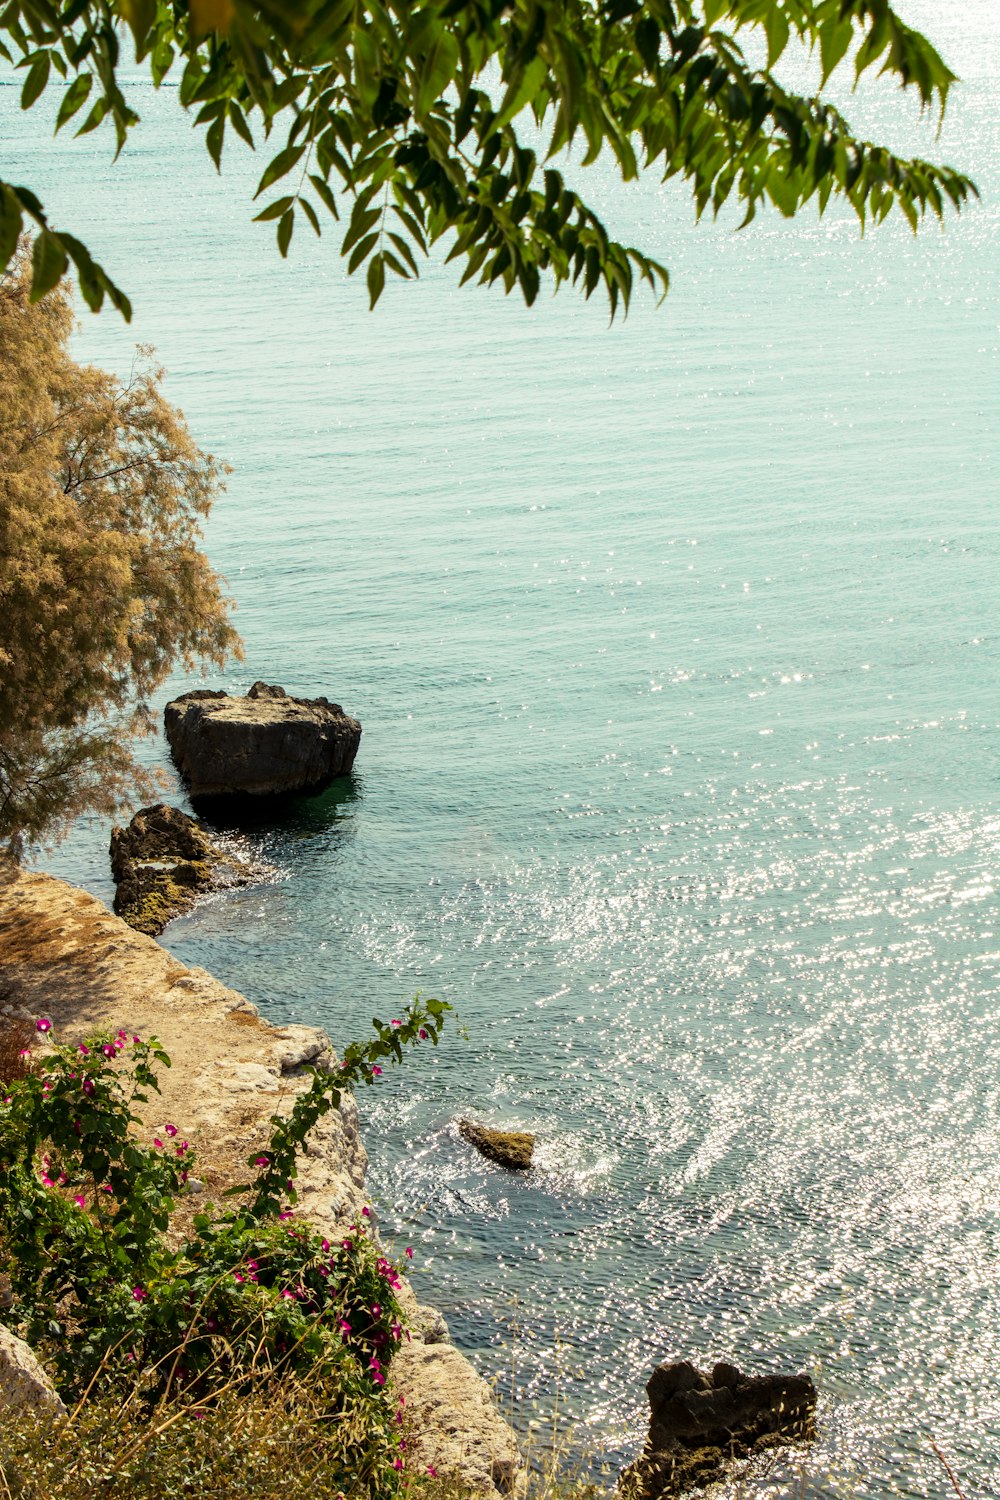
[65,955]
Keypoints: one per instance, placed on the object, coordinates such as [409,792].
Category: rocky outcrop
[24,1385]
[452,1422]
[162,862]
[508,1148]
[266,744]
[699,1424]
[64,955]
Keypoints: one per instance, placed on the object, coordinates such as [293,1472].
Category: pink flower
[432,1471]
[376,1310]
[347,1244]
[286,1293]
[43,1024]
[108,1050]
[379,1379]
[252,1265]
[170,1129]
[376,1071]
[106,1187]
[262,1161]
[83,1051]
[395,1023]
[397,1463]
[238,1278]
[345,1327]
[24,1052]
[326,1244]
[287,1214]
[80,1200]
[139,1294]
[136,1040]
[121,1032]
[422,1034]
[88,1087]
[367,1211]
[47,1180]
[157,1143]
[397,1332]
[409,1252]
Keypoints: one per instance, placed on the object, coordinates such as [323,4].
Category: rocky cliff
[64,955]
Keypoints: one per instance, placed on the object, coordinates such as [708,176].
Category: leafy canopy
[103,588]
[409,121]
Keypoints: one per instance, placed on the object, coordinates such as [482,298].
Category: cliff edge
[63,954]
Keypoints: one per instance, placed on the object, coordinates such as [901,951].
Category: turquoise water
[675,649]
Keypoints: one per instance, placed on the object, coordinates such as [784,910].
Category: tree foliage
[103,589]
[417,121]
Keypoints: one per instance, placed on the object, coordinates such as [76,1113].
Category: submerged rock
[508,1148]
[699,1424]
[266,744]
[161,862]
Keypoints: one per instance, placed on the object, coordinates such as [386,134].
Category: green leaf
[38,77]
[214,137]
[436,72]
[325,193]
[239,123]
[97,112]
[777,29]
[285,226]
[362,220]
[834,41]
[523,89]
[140,15]
[11,221]
[48,261]
[281,164]
[275,210]
[74,98]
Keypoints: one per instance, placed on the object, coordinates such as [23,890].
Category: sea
[675,643]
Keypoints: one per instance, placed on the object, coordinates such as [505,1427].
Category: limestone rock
[161,862]
[452,1423]
[508,1148]
[24,1385]
[265,744]
[699,1424]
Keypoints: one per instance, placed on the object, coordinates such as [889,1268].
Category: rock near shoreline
[264,745]
[701,1423]
[162,862]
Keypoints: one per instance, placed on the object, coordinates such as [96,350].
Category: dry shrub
[16,1037]
[266,1445]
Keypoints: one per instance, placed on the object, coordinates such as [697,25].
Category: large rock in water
[699,1424]
[265,744]
[162,861]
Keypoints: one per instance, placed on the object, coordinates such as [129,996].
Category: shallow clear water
[675,648]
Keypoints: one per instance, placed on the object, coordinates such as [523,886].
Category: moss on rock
[162,862]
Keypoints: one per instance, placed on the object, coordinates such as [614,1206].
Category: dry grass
[279,1445]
